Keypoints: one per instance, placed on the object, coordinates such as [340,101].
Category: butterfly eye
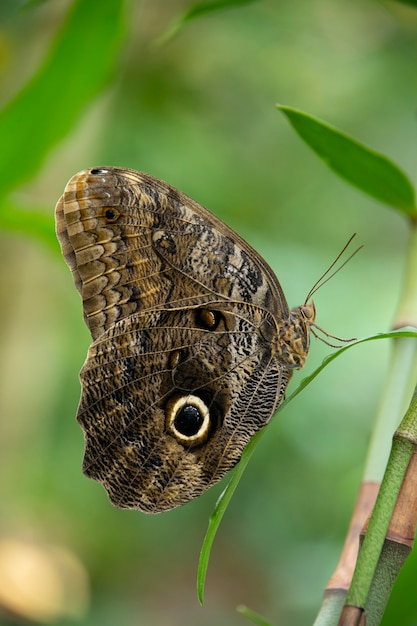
[309,311]
[111,215]
[188,418]
[208,319]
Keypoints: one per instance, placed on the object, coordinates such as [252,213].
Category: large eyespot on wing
[191,418]
[168,406]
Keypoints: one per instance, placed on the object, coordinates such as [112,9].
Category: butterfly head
[294,336]
[307,312]
[302,319]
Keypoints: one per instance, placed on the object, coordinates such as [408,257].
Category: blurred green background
[197,110]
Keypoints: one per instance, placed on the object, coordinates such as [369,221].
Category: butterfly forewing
[135,243]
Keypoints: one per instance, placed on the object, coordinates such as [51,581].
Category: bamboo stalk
[384,547]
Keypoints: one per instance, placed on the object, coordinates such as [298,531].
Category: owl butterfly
[193,341]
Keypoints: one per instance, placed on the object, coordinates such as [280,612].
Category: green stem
[331,608]
[401,380]
[407,308]
[402,373]
[398,389]
[392,559]
[401,453]
[408,427]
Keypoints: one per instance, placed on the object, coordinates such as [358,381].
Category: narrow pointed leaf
[411,3]
[364,168]
[254,617]
[37,224]
[75,70]
[217,515]
[226,496]
[195,11]
[404,332]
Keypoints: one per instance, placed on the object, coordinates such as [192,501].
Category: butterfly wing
[181,373]
[134,243]
[139,377]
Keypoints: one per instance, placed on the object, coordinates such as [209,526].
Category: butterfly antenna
[323,280]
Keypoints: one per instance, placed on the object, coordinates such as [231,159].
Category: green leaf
[404,332]
[37,224]
[411,3]
[219,510]
[195,11]
[226,496]
[75,70]
[364,168]
[254,617]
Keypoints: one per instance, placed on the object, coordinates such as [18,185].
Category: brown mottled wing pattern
[185,364]
[158,249]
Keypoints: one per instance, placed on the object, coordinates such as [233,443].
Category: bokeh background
[198,110]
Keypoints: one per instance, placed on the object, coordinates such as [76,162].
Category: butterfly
[193,342]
